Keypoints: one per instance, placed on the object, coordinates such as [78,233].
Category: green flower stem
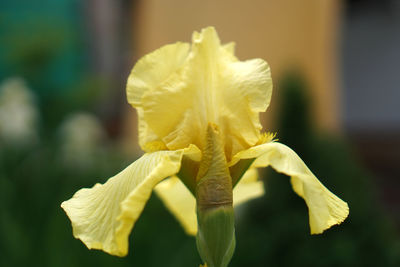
[216,236]
[216,227]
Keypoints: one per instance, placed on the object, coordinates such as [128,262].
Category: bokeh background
[65,124]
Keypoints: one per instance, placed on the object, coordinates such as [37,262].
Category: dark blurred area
[65,124]
[371,112]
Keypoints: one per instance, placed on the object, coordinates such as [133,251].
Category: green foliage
[35,231]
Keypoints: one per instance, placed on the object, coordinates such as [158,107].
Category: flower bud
[216,227]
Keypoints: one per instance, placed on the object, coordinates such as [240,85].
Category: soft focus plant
[19,115]
[81,137]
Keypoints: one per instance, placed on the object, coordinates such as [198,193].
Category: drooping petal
[325,209]
[104,215]
[182,204]
[209,85]
[249,187]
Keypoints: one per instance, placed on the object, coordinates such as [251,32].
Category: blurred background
[65,124]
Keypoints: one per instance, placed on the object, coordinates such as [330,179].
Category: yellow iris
[180,90]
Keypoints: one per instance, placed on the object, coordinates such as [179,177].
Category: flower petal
[148,73]
[249,187]
[154,68]
[248,90]
[325,209]
[104,215]
[209,85]
[182,204]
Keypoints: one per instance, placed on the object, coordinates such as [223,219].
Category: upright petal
[207,85]
[154,68]
[325,209]
[104,215]
[148,73]
[247,92]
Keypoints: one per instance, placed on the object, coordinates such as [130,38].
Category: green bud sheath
[216,227]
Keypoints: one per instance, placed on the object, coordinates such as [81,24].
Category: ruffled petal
[148,73]
[154,68]
[247,92]
[182,204]
[207,85]
[104,215]
[325,209]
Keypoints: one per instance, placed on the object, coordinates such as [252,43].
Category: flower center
[213,181]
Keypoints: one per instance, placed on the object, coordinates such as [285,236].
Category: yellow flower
[189,98]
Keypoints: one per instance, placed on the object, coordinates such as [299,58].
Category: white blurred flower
[82,138]
[19,114]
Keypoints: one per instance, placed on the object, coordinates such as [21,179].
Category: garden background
[65,124]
